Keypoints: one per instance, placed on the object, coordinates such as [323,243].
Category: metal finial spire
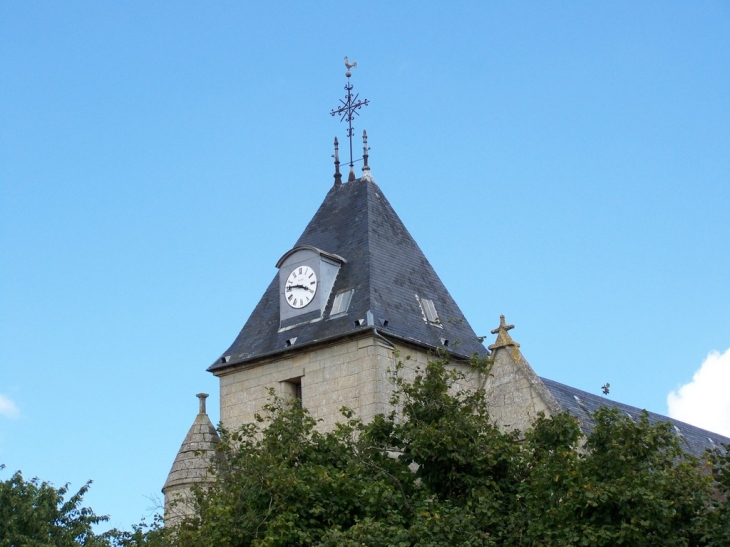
[336,155]
[365,166]
[349,107]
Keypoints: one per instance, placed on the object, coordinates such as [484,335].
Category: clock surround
[298,269]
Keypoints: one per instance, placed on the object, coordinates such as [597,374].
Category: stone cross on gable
[503,338]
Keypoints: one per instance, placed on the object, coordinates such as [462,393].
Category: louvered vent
[429,311]
[342,302]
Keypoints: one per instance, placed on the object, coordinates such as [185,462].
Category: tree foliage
[437,472]
[433,472]
[36,514]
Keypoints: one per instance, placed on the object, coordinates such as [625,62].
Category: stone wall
[355,373]
[352,373]
[514,392]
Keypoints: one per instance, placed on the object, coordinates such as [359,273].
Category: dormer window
[429,311]
[342,302]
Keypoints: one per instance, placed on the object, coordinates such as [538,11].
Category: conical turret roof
[390,276]
[193,459]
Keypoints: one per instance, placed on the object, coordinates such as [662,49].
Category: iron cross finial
[350,105]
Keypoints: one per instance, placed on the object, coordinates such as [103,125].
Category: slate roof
[386,268]
[582,404]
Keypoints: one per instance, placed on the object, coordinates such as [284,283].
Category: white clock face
[301,286]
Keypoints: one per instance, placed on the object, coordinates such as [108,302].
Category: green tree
[715,527]
[36,514]
[436,472]
[142,535]
[629,484]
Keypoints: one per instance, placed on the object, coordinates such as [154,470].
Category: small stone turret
[190,466]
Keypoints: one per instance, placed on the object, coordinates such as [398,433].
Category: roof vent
[359,322]
[678,431]
[225,358]
[342,302]
[444,342]
[290,342]
[582,405]
[384,322]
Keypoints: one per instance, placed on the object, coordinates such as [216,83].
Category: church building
[354,295]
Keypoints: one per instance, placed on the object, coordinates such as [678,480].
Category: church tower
[353,292]
[352,297]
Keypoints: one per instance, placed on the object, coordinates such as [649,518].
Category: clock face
[301,286]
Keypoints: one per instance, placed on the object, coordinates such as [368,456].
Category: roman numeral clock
[300,287]
[306,277]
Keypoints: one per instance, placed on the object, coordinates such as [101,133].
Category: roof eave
[219,367]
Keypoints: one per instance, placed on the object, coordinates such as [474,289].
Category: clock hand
[290,287]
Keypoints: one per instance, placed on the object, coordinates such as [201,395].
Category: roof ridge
[370,185]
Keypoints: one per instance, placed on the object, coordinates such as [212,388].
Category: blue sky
[566,164]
